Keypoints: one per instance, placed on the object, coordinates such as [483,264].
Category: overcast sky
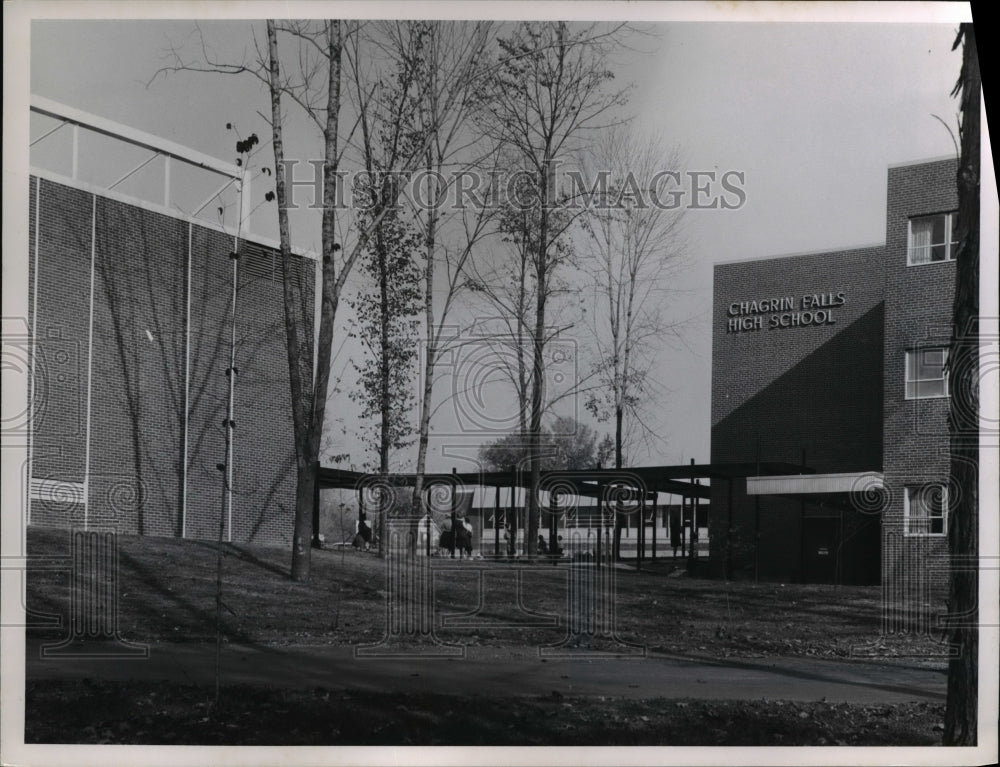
[811,113]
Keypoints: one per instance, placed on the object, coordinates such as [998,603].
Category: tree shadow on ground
[244,555]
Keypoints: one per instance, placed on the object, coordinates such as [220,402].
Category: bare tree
[635,249]
[961,710]
[505,277]
[316,88]
[552,89]
[309,395]
[321,56]
[455,73]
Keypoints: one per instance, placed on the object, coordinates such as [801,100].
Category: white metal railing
[159,147]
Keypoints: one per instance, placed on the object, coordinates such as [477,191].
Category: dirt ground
[142,713]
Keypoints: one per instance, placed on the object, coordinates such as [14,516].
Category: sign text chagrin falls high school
[784,312]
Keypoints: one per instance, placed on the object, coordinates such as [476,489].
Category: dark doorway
[861,551]
[820,541]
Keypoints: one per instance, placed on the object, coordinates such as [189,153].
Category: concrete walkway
[499,672]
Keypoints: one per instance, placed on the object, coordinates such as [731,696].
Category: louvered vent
[257,264]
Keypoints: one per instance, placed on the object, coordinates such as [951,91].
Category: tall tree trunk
[385,403]
[300,385]
[619,519]
[385,400]
[961,711]
[619,418]
[308,394]
[522,373]
[328,307]
[538,363]
[430,349]
[522,382]
[535,428]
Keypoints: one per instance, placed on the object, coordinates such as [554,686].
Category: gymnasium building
[837,362]
[134,301]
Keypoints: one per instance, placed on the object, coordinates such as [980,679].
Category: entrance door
[819,549]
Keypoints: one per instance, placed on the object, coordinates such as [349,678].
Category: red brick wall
[264,482]
[918,312]
[62,269]
[783,391]
[148,343]
[211,278]
[838,392]
[784,384]
[137,396]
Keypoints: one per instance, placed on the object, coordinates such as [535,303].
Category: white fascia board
[804,484]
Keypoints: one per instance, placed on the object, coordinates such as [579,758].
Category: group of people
[550,549]
[362,536]
[542,547]
[554,550]
[462,539]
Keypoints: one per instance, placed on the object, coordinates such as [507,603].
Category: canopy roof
[679,479]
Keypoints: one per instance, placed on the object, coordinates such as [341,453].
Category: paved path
[495,672]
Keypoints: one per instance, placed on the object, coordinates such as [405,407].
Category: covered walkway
[619,493]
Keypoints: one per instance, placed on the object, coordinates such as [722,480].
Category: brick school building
[837,361]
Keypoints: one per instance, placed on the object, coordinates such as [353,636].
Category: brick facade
[789,394]
[830,394]
[919,304]
[129,310]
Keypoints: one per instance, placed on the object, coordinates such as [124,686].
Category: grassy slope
[167,587]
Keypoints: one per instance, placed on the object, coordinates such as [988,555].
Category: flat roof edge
[925,161]
[825,251]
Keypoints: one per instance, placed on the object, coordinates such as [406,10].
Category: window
[926,373]
[931,239]
[925,510]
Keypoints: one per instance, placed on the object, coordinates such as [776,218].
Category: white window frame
[920,490]
[950,246]
[907,381]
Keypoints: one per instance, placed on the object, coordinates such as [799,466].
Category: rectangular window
[926,373]
[925,510]
[931,239]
